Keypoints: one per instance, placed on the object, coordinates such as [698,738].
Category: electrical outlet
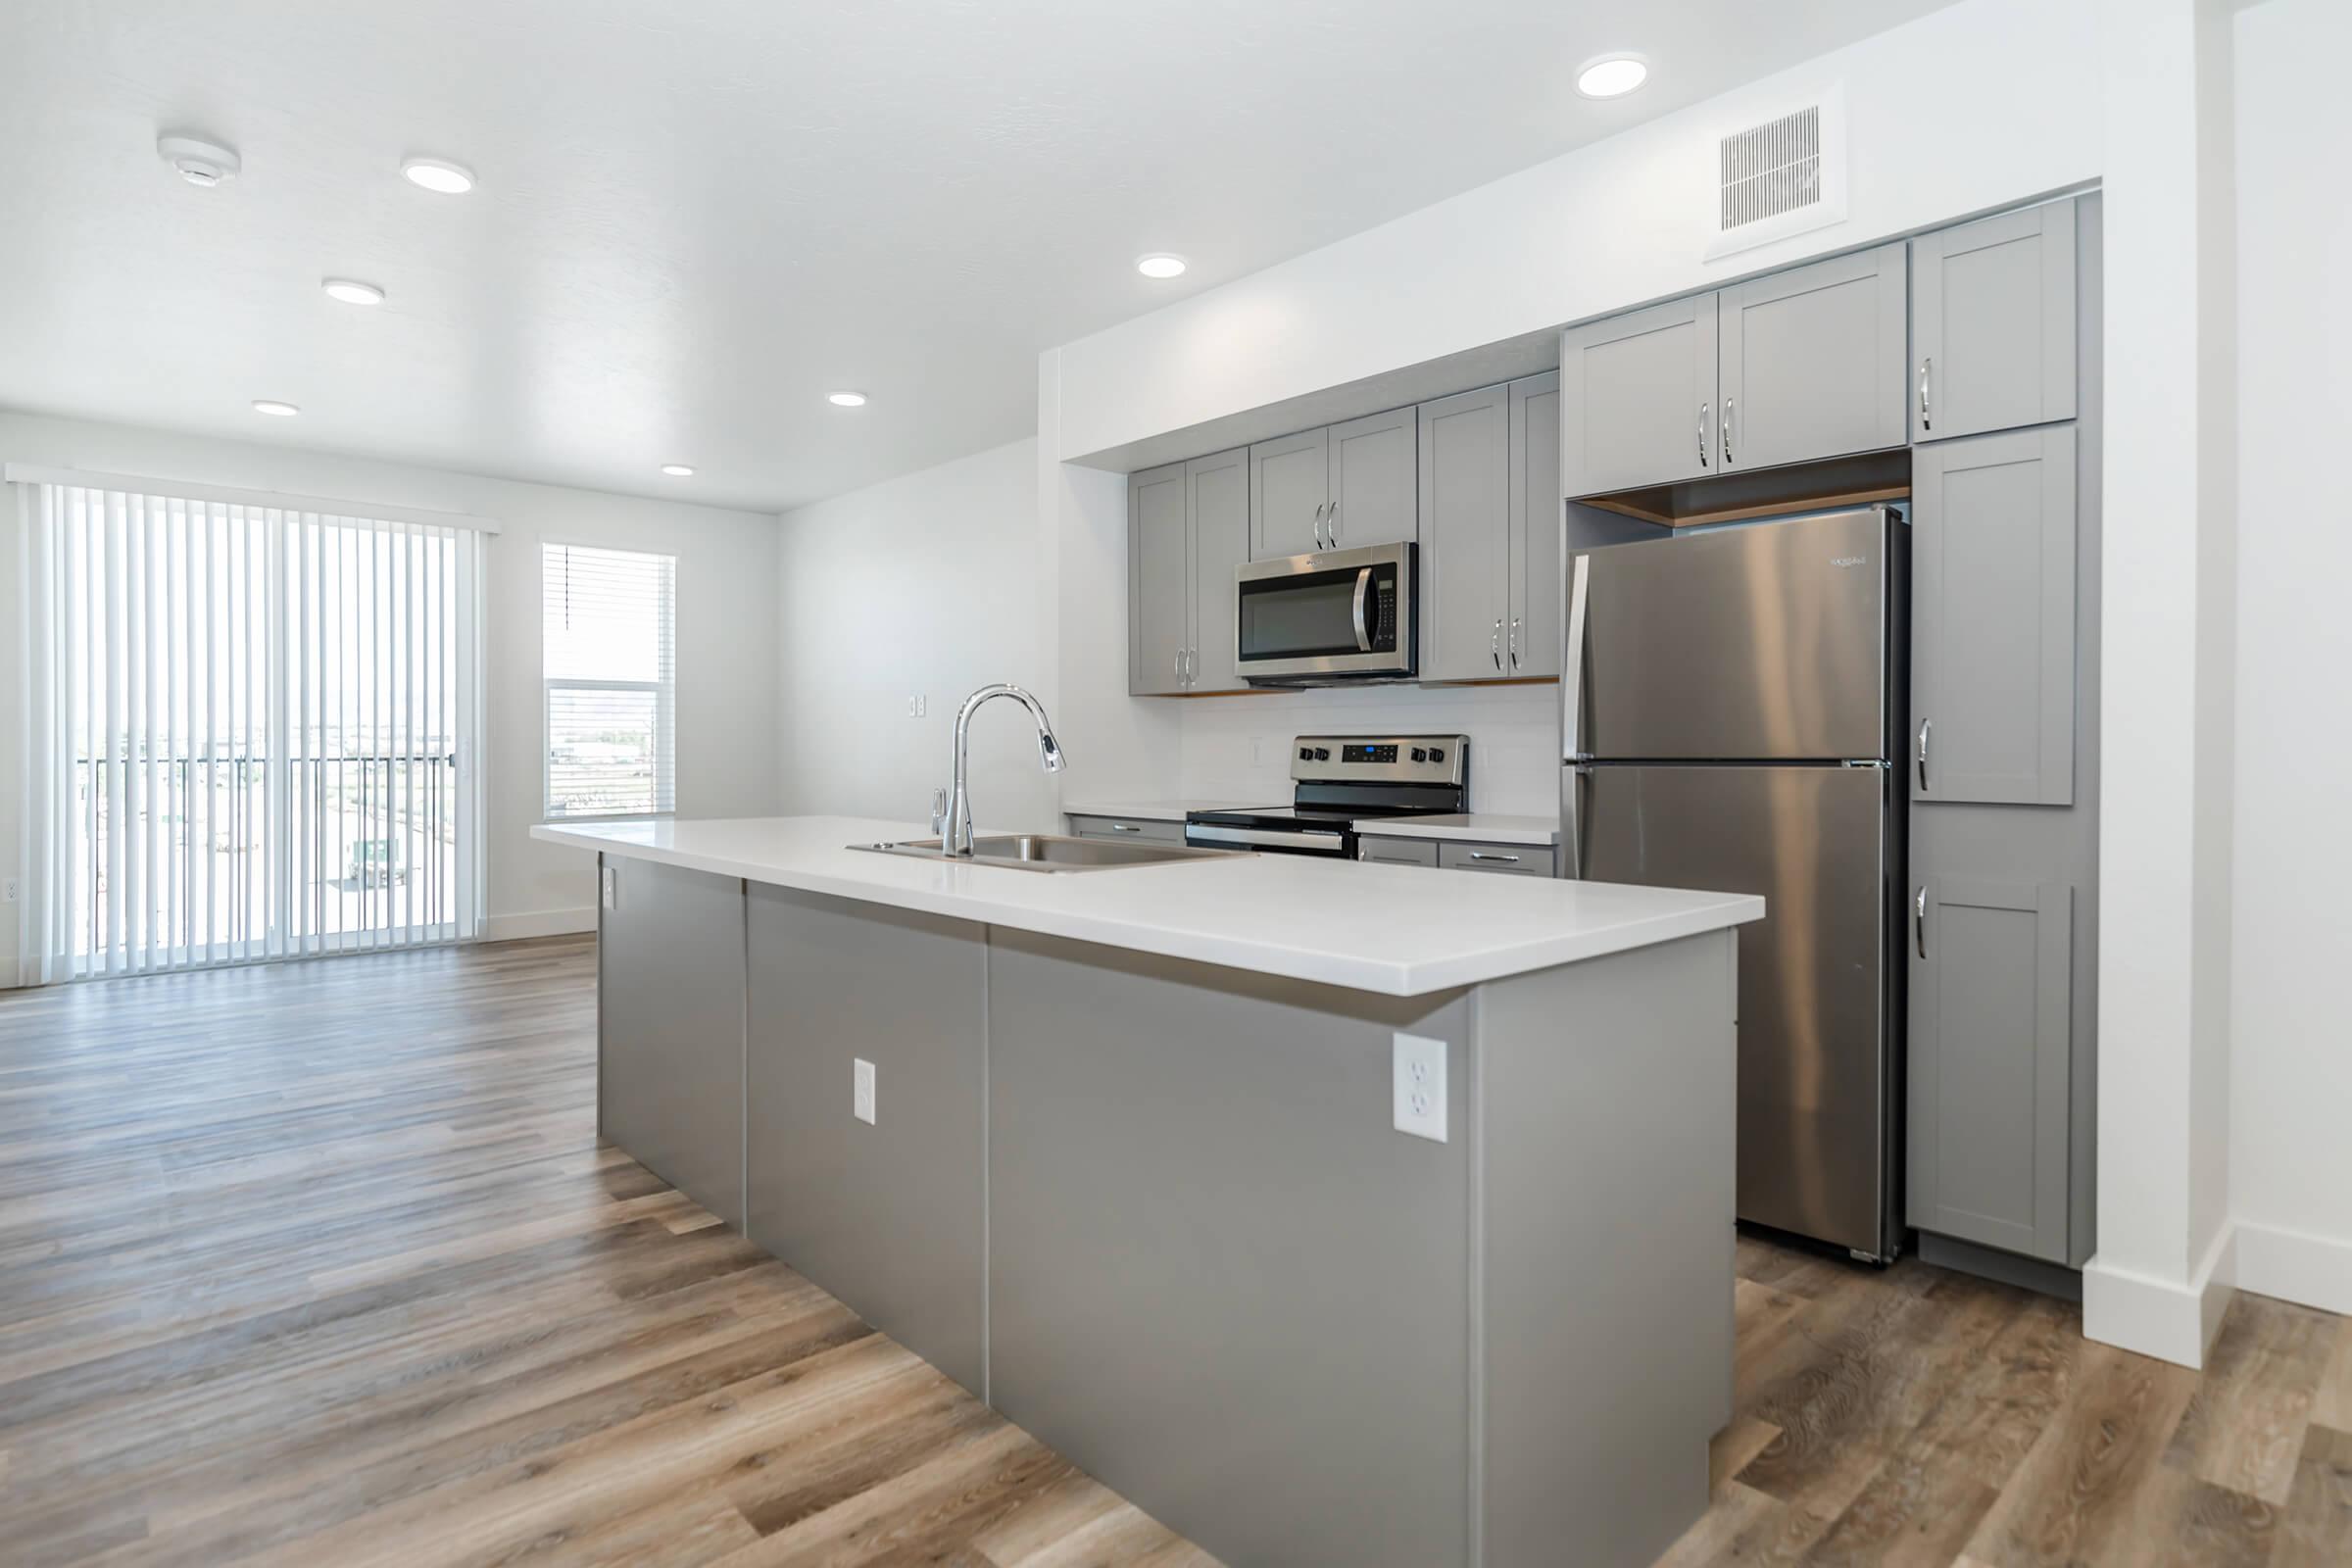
[861,1089]
[1420,1084]
[611,887]
[7,891]
[918,706]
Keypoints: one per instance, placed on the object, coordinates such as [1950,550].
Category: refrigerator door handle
[1572,820]
[1919,921]
[1571,661]
[1925,726]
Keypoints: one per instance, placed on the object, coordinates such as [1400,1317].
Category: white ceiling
[695,219]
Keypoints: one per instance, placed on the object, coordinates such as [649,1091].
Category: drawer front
[1127,827]
[1511,859]
[1397,852]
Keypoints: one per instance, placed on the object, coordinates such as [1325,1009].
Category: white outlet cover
[1420,1087]
[861,1089]
[611,887]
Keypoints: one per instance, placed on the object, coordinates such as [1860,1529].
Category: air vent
[1780,176]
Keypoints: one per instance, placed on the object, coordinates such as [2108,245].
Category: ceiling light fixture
[283,410]
[677,470]
[845,400]
[350,291]
[438,176]
[198,162]
[1160,264]
[1611,76]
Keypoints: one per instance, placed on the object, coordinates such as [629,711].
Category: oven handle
[1320,843]
[1364,589]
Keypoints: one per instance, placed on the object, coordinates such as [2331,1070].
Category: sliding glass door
[253,733]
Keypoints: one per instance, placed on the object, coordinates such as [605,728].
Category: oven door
[1346,614]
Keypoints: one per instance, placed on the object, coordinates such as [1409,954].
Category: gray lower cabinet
[1813,362]
[1374,500]
[1290,491]
[1143,829]
[1187,529]
[890,1215]
[1508,860]
[1994,618]
[669,1024]
[1991,1004]
[1992,324]
[1397,852]
[1533,642]
[1465,535]
[1637,398]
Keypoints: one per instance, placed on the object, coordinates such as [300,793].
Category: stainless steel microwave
[1341,616]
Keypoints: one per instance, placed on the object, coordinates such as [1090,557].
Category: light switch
[1420,1087]
[611,887]
[861,1089]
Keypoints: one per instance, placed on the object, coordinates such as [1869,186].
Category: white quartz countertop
[1396,930]
[1155,811]
[1476,828]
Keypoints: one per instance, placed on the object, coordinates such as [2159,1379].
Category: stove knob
[1436,753]
[1322,754]
[1420,756]
[1306,755]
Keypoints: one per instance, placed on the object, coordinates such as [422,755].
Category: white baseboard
[2296,1267]
[8,974]
[538,923]
[2170,1320]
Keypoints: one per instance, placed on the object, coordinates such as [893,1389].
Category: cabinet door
[1992,324]
[1397,852]
[1991,996]
[1289,485]
[1534,640]
[1374,499]
[1218,494]
[1813,362]
[1506,860]
[1992,618]
[1159,581]
[1465,535]
[1637,398]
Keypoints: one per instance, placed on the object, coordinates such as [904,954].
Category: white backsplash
[1240,747]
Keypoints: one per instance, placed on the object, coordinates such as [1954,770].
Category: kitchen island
[1331,1212]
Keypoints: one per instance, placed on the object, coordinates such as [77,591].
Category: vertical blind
[252,732]
[609,620]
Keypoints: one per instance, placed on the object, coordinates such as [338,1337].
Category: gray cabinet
[1188,526]
[1992,324]
[1507,860]
[1397,852]
[1994,618]
[1637,398]
[1532,642]
[1465,473]
[1812,361]
[1991,1005]
[1374,500]
[1290,491]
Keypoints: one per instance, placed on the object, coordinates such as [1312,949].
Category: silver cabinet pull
[1925,726]
[1925,367]
[1319,545]
[1179,666]
[1332,523]
[1495,643]
[1125,827]
[1726,432]
[1920,920]
[1514,642]
[1702,431]
[1482,854]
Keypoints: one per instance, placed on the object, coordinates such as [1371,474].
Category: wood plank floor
[324,1264]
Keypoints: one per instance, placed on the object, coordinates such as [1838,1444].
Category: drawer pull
[1125,827]
[1482,854]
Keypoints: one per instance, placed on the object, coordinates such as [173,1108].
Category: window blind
[609,635]
[253,732]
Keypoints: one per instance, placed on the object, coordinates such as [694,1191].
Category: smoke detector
[199,162]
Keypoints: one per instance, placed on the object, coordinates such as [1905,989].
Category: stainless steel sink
[1048,851]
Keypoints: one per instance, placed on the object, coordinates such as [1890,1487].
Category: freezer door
[1814,1010]
[1760,641]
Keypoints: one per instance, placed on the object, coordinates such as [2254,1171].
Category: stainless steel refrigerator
[1732,710]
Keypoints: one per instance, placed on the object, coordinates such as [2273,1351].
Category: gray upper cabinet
[1813,362]
[1290,492]
[1465,535]
[1992,324]
[1992,618]
[1373,496]
[1217,507]
[1991,1000]
[1532,640]
[1637,398]
[1159,581]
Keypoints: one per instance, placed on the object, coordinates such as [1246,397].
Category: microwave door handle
[1363,592]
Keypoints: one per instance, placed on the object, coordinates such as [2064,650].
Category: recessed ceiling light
[197,160]
[350,291]
[438,176]
[677,470]
[1160,264]
[284,411]
[845,400]
[1612,75]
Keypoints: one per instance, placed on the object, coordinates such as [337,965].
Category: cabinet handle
[1726,432]
[1702,431]
[1495,643]
[1325,538]
[1482,854]
[1514,642]
[1920,919]
[1925,367]
[1925,726]
[1332,523]
[1125,827]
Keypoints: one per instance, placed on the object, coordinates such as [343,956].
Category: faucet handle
[939,811]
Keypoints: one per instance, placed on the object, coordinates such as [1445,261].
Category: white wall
[727,761]
[2291,1081]
[927,584]
[1238,748]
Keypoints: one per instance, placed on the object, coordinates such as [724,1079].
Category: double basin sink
[1048,851]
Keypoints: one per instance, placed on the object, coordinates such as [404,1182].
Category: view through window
[609,633]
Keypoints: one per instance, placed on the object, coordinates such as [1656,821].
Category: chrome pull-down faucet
[958,839]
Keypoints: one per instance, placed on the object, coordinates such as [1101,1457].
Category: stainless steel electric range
[1339,780]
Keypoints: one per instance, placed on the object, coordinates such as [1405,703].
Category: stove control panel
[1382,759]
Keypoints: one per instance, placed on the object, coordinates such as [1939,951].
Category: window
[610,632]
